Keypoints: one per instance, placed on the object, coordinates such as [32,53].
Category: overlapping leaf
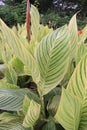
[50,126]
[82,50]
[12,99]
[6,117]
[11,75]
[32,114]
[20,50]
[78,87]
[4,85]
[68,113]
[53,57]
[12,126]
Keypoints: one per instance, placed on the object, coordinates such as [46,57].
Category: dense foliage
[13,11]
[56,63]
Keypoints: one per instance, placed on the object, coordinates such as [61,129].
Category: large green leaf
[73,32]
[32,114]
[53,58]
[12,126]
[78,86]
[68,113]
[20,50]
[12,99]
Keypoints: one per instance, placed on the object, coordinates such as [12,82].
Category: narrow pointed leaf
[35,21]
[73,32]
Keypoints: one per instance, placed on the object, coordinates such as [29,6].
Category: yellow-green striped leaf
[4,85]
[32,114]
[35,21]
[82,50]
[53,58]
[68,113]
[78,86]
[26,104]
[20,50]
[10,75]
[12,126]
[73,33]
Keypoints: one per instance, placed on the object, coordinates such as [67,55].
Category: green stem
[42,101]
[32,128]
[43,106]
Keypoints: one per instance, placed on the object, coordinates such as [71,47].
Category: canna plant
[56,62]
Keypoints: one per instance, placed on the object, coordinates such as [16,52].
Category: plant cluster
[59,19]
[56,62]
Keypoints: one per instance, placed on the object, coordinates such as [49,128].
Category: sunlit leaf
[32,114]
[53,58]
[78,86]
[68,113]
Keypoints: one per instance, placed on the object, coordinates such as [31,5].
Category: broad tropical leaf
[20,50]
[73,32]
[53,58]
[12,99]
[68,113]
[78,86]
[32,114]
